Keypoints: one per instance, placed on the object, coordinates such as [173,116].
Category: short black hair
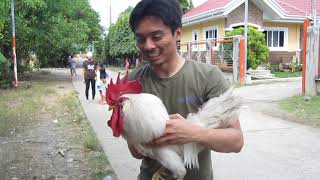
[169,11]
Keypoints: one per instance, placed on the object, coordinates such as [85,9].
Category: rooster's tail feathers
[219,111]
[191,151]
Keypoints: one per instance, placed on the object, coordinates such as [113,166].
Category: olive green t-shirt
[183,93]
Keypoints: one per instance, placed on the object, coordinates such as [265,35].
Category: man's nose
[149,44]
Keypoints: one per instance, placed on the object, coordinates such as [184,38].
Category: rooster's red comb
[123,86]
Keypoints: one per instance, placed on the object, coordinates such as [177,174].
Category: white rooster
[140,118]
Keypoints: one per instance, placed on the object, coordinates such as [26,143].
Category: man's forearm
[222,140]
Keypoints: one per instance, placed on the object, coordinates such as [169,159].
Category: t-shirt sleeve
[216,84]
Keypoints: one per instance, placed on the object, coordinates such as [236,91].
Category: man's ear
[178,33]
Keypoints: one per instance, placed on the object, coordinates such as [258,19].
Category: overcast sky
[118,6]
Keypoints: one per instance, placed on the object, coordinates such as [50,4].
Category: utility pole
[14,57]
[314,11]
[246,7]
[110,16]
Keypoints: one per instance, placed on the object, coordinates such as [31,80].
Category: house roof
[300,8]
[207,6]
[297,7]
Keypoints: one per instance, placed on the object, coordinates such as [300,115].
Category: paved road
[274,149]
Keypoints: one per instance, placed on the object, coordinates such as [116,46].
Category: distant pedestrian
[73,63]
[89,74]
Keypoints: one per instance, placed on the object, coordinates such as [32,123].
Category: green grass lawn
[307,110]
[289,74]
[35,102]
[21,106]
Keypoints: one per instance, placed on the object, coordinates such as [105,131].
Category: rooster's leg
[160,174]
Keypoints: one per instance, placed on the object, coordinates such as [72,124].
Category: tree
[258,51]
[186,5]
[99,49]
[4,6]
[5,71]
[121,40]
[52,29]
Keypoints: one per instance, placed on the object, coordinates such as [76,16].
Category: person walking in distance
[73,64]
[89,75]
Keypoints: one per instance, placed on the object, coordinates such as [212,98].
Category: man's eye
[157,37]
[139,40]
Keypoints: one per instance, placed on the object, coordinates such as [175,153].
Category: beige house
[280,20]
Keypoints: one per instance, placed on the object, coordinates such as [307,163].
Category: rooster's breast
[144,117]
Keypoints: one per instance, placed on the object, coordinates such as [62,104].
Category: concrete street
[275,149]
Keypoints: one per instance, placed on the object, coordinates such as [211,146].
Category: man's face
[156,41]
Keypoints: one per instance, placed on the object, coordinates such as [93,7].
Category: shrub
[274,68]
[258,51]
[5,72]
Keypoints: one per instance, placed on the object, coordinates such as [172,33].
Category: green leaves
[4,13]
[186,5]
[120,41]
[50,29]
[5,72]
[258,51]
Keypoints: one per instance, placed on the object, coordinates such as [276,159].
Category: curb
[276,80]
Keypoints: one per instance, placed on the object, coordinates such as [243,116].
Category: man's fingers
[163,140]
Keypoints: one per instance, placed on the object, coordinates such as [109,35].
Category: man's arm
[229,139]
[179,131]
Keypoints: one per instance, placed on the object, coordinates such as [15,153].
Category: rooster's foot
[160,174]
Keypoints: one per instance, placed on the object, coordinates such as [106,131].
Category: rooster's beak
[111,108]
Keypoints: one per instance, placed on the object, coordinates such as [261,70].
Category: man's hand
[178,131]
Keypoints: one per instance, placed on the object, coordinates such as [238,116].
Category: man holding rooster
[182,85]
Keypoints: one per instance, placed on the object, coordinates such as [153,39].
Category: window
[194,39]
[210,33]
[276,38]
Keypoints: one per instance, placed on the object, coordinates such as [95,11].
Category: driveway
[275,149]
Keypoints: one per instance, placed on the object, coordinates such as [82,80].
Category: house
[280,20]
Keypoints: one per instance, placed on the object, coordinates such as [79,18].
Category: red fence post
[319,62]
[306,24]
[242,65]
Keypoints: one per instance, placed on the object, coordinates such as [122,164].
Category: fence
[224,52]
[311,61]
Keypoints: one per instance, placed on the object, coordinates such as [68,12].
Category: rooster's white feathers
[145,116]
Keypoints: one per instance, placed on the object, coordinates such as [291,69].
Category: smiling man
[182,85]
